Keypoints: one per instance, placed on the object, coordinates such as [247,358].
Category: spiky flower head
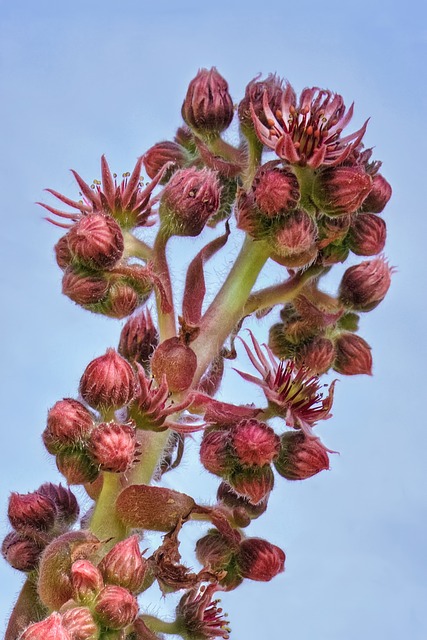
[199,617]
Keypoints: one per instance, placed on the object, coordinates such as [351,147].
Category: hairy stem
[167,327]
[104,523]
[157,625]
[136,248]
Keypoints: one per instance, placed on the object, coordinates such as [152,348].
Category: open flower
[308,132]
[200,617]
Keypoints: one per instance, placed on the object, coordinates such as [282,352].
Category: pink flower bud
[115,607]
[124,565]
[353,355]
[160,154]
[31,511]
[333,229]
[294,243]
[86,580]
[253,483]
[260,560]
[300,457]
[276,189]
[63,253]
[20,552]
[189,199]
[64,499]
[108,382]
[79,623]
[96,241]
[341,190]
[122,300]
[138,338]
[255,442]
[318,355]
[365,285]
[230,498]
[208,107]
[254,95]
[367,235]
[84,290]
[76,466]
[215,453]
[49,629]
[113,446]
[68,422]
[379,195]
[177,362]
[217,553]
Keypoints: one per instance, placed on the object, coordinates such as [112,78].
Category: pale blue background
[83,78]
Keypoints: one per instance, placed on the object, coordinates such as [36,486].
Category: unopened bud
[76,466]
[367,235]
[108,382]
[353,355]
[208,107]
[189,199]
[122,300]
[68,422]
[124,565]
[379,195]
[96,241]
[79,623]
[217,553]
[230,498]
[160,154]
[116,607]
[138,338]
[276,189]
[84,290]
[294,242]
[341,190]
[253,483]
[317,355]
[255,442]
[300,457]
[365,285]
[86,580]
[64,499]
[254,94]
[63,253]
[215,454]
[177,362]
[51,628]
[113,446]
[31,511]
[333,254]
[20,552]
[260,560]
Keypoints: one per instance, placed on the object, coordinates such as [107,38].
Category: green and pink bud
[294,242]
[31,512]
[138,339]
[124,565]
[86,580]
[76,466]
[254,483]
[276,189]
[215,452]
[113,446]
[96,241]
[227,496]
[52,628]
[353,355]
[365,285]
[339,191]
[83,289]
[254,443]
[108,382]
[68,423]
[318,355]
[63,254]
[300,457]
[115,607]
[208,107]
[21,552]
[217,552]
[79,623]
[260,560]
[162,153]
[367,234]
[379,195]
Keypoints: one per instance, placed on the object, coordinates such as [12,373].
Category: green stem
[136,248]
[153,445]
[160,626]
[227,308]
[104,523]
[254,160]
[167,328]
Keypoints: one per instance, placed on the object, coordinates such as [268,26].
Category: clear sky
[83,78]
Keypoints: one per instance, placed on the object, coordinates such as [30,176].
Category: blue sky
[84,78]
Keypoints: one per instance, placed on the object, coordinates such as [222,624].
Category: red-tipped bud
[353,355]
[79,623]
[276,189]
[76,466]
[20,552]
[138,338]
[215,453]
[217,553]
[113,446]
[64,499]
[160,154]
[51,628]
[96,241]
[84,290]
[63,253]
[253,483]
[367,234]
[86,580]
[189,199]
[333,229]
[318,355]
[379,195]
[341,190]
[208,107]
[294,243]
[31,511]
[115,607]
[255,443]
[260,560]
[177,362]
[230,498]
[254,95]
[365,285]
[122,300]
[68,422]
[300,457]
[108,382]
[124,565]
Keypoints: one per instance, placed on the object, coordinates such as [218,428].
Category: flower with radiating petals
[199,616]
[308,131]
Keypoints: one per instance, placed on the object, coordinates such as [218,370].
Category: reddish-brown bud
[64,499]
[20,552]
[255,443]
[379,195]
[254,95]
[300,457]
[138,338]
[86,580]
[68,422]
[208,107]
[122,300]
[115,607]
[253,483]
[353,355]
[76,466]
[333,229]
[79,623]
[365,285]
[341,190]
[51,628]
[367,235]
[317,355]
[63,253]
[177,362]
[294,242]
[160,154]
[230,498]
[108,382]
[84,290]
[124,565]
[215,453]
[113,446]
[96,241]
[217,553]
[260,560]
[276,189]
[31,511]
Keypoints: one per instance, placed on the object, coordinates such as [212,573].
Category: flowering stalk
[308,209]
